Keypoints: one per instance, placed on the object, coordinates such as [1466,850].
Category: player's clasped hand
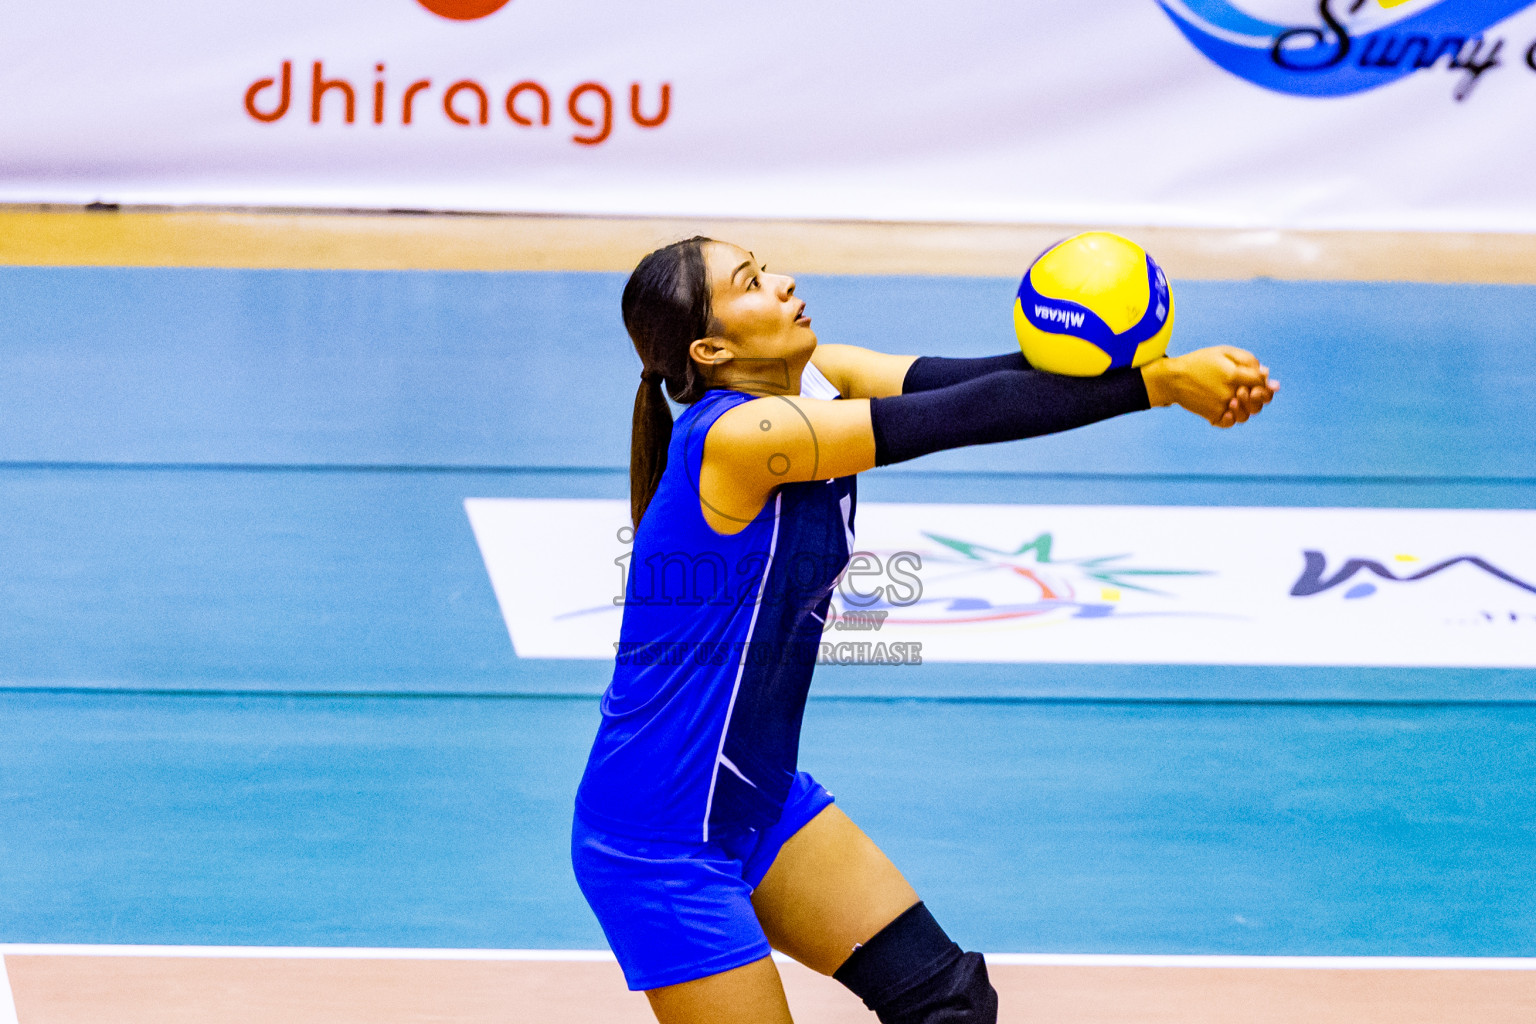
[1224,385]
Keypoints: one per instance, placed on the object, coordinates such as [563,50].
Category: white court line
[1306,963]
[309,953]
[7,1002]
[1293,963]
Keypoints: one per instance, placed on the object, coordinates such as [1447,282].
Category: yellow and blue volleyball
[1092,303]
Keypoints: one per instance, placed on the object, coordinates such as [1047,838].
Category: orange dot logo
[463,10]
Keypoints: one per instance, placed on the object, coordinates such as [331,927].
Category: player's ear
[711,352]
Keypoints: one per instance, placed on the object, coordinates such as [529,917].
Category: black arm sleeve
[930,372]
[1003,406]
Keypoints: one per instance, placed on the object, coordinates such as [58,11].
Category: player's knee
[911,972]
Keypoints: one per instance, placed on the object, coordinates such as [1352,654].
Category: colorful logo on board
[1351,46]
[969,582]
[463,10]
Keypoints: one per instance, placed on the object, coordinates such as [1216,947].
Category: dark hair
[666,309]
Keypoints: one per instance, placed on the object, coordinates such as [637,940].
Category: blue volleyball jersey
[701,723]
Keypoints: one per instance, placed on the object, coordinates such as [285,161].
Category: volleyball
[1092,303]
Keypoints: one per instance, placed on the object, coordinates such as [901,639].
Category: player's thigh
[751,994]
[829,889]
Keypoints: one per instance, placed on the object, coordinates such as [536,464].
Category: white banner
[1086,584]
[1285,113]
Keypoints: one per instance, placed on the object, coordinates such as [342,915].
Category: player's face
[755,311]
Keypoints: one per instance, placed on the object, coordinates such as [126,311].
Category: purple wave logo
[1314,577]
[1352,46]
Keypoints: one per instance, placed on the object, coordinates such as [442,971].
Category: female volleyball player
[696,841]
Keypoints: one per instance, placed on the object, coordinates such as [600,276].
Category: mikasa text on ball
[1092,303]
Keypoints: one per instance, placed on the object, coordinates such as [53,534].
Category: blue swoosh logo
[1324,59]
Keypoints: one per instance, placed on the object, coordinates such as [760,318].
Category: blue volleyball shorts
[677,911]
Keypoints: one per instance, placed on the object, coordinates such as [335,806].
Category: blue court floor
[1043,827]
[255,687]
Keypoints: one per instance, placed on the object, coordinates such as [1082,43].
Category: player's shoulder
[739,425]
[744,431]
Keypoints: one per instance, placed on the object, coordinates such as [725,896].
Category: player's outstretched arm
[863,373]
[781,439]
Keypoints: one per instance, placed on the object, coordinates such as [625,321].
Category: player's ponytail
[666,309]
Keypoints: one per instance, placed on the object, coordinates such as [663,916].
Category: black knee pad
[913,973]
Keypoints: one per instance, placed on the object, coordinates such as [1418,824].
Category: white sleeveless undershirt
[814,384]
